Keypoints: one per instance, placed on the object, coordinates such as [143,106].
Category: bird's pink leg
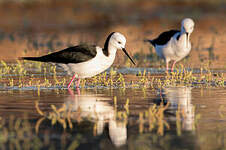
[173,66]
[68,86]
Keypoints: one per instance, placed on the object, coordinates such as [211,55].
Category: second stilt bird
[174,44]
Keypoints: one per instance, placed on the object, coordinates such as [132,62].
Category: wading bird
[84,61]
[174,44]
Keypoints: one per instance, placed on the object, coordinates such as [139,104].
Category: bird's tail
[31,58]
[149,41]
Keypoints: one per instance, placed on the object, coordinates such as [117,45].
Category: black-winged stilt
[174,44]
[84,60]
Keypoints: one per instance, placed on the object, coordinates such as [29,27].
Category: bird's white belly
[173,51]
[181,51]
[89,68]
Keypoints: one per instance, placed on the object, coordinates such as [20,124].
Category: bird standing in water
[174,44]
[84,61]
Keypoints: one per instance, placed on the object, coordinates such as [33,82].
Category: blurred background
[37,27]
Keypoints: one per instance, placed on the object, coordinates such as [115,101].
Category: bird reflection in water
[179,99]
[97,108]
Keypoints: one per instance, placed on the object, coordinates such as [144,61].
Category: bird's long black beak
[124,50]
[187,39]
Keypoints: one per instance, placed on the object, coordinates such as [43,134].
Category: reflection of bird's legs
[71,93]
[174,62]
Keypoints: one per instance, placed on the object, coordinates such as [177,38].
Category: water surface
[100,122]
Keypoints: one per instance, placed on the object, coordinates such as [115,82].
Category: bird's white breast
[174,49]
[91,67]
[181,47]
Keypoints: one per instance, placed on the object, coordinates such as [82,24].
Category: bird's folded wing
[164,37]
[76,54]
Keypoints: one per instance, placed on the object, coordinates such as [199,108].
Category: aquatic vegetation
[154,117]
[22,133]
[18,133]
[36,75]
[150,120]
[187,78]
[61,115]
[64,115]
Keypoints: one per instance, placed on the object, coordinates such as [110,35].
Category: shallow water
[97,124]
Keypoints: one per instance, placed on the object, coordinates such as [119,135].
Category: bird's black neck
[106,44]
[178,36]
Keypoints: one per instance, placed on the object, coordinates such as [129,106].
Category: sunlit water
[97,124]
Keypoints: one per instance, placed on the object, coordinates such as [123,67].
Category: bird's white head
[118,40]
[187,25]
[115,41]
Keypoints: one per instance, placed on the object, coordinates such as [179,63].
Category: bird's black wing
[164,37]
[76,54]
